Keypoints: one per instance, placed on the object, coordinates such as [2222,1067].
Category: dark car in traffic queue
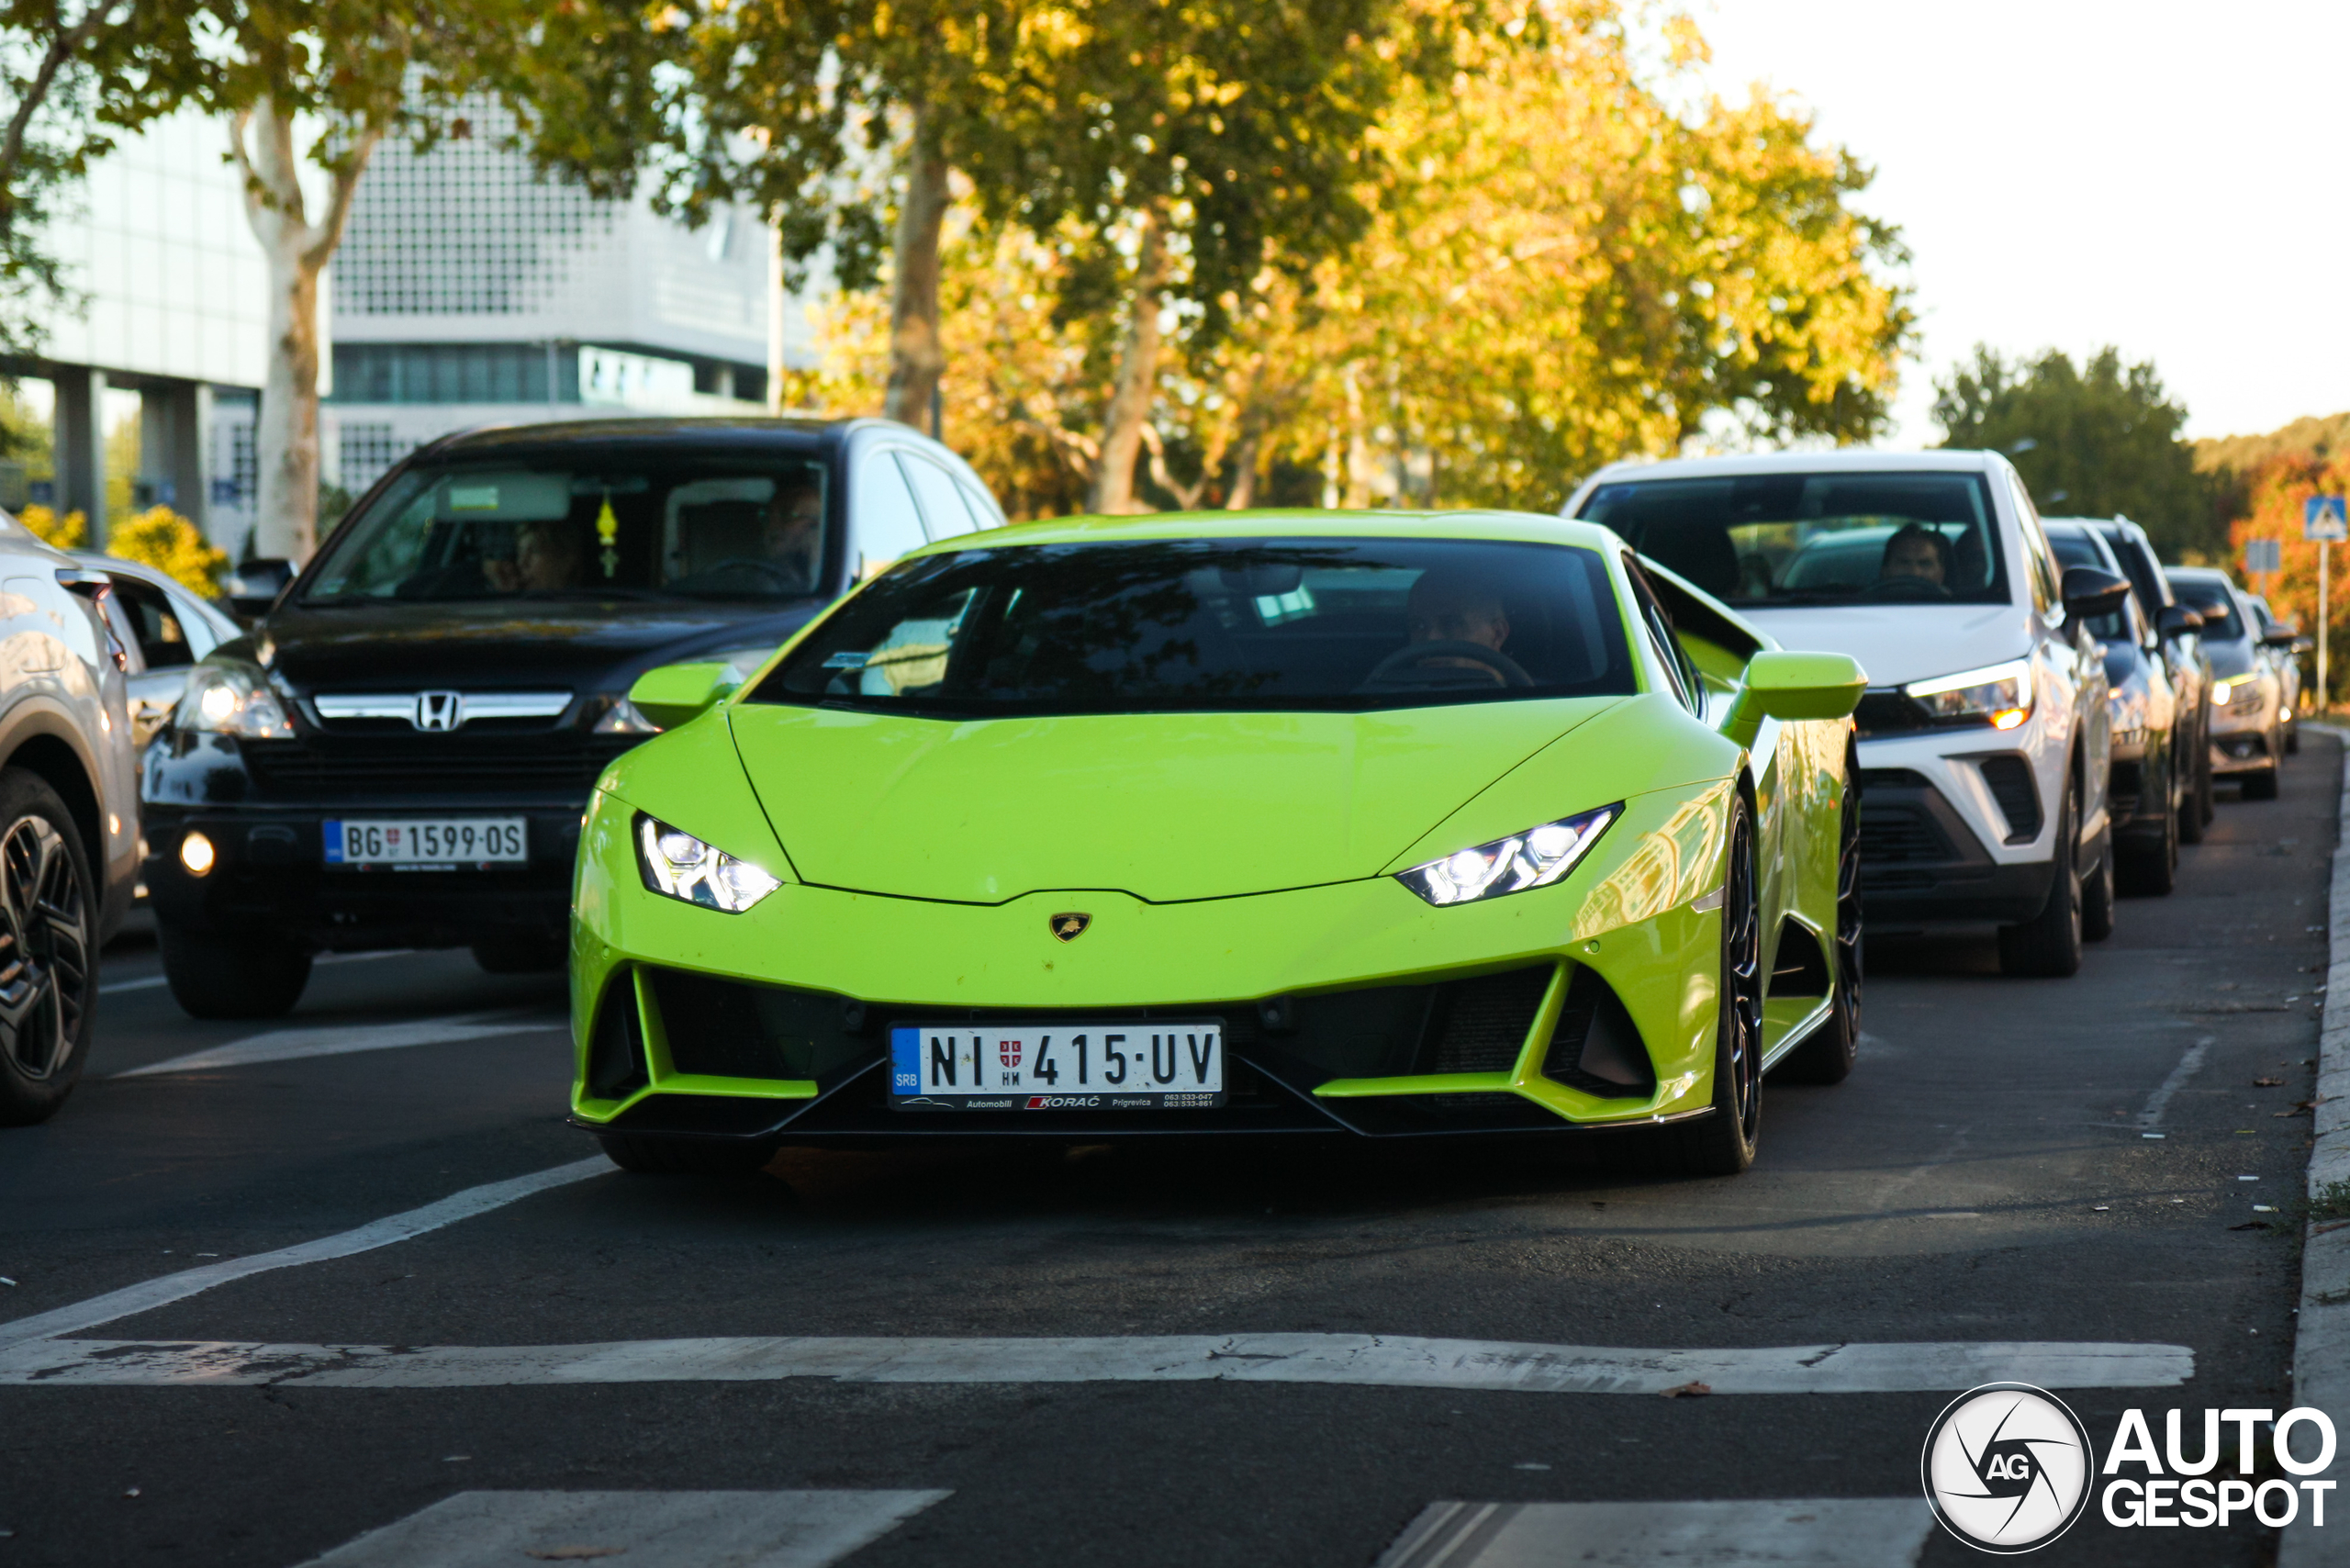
[2248,731]
[2179,626]
[2282,642]
[2149,776]
[400,751]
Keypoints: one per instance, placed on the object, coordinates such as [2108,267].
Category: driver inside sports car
[1450,607]
[1917,552]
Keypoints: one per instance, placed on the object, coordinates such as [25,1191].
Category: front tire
[47,949]
[2049,943]
[1723,1143]
[2261,785]
[1828,1055]
[258,975]
[2097,895]
[2150,868]
[642,1156]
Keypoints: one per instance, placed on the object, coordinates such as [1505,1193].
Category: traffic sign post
[2324,518]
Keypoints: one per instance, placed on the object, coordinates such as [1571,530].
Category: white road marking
[334,1040]
[170,1288]
[1825,1532]
[652,1529]
[1358,1359]
[2159,1100]
[149,982]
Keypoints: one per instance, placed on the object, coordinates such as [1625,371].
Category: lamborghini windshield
[1760,540]
[1190,625]
[718,527]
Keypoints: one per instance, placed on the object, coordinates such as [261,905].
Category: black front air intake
[2018,796]
[1597,1046]
[727,1029]
[616,1050]
[1479,1025]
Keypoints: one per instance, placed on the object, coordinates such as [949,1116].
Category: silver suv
[69,816]
[1984,738]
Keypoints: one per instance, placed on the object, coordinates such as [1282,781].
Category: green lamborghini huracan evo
[1377,823]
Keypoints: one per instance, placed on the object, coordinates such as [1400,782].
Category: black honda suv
[399,754]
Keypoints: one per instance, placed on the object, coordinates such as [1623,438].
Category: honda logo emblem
[440,710]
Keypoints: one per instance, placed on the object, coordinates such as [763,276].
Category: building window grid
[365,450]
[466,229]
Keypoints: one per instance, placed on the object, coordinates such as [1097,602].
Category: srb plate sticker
[1155,1066]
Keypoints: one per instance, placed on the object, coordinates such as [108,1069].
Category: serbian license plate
[425,844]
[1053,1067]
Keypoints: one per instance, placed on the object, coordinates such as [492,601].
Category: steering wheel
[1417,667]
[773,571]
[1904,588]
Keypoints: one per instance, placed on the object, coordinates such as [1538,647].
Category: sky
[2169,179]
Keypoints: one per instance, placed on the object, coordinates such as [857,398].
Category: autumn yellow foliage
[68,532]
[162,538]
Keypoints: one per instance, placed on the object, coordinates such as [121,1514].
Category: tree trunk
[1247,446]
[917,358]
[1137,384]
[285,427]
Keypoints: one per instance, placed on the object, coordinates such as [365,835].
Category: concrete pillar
[174,438]
[79,434]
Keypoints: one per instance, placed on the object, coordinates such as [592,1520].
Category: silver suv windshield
[698,527]
[1763,540]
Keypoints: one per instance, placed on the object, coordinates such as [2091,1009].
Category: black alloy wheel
[1723,1143]
[46,951]
[2049,943]
[1828,1055]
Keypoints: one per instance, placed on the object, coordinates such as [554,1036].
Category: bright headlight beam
[1998,695]
[677,864]
[1534,858]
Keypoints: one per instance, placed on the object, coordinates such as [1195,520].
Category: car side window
[163,638]
[1684,674]
[2046,590]
[883,520]
[943,511]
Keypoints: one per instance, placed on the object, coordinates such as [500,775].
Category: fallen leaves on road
[1690,1390]
[2268,1083]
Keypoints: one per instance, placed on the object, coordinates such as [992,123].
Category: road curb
[2321,1333]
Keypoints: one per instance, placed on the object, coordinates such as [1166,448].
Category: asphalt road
[1984,1176]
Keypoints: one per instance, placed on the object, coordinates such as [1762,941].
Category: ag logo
[2006,1467]
[1068,927]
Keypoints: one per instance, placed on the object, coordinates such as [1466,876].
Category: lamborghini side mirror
[669,695]
[1782,685]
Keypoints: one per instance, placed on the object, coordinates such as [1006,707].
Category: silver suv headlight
[1534,858]
[1998,695]
[679,866]
[233,700]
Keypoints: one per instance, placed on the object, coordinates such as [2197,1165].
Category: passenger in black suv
[398,755]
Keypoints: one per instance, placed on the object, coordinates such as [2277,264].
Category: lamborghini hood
[1166,807]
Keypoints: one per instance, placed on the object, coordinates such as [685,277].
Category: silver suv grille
[438,710]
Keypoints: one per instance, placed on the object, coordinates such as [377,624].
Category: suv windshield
[2215,604]
[720,527]
[1188,625]
[1760,540]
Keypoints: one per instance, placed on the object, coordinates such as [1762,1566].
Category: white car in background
[1984,741]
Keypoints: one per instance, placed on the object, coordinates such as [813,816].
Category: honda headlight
[682,867]
[622,717]
[1999,694]
[1534,858]
[233,700]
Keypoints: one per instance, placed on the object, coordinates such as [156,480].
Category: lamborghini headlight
[682,867]
[1534,858]
[233,700]
[1998,695]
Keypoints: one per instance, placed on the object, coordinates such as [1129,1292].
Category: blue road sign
[2326,517]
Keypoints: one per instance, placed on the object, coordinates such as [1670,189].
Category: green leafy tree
[74,80]
[2093,440]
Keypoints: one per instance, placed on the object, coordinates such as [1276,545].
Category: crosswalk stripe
[334,1040]
[1359,1360]
[651,1530]
[1823,1532]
